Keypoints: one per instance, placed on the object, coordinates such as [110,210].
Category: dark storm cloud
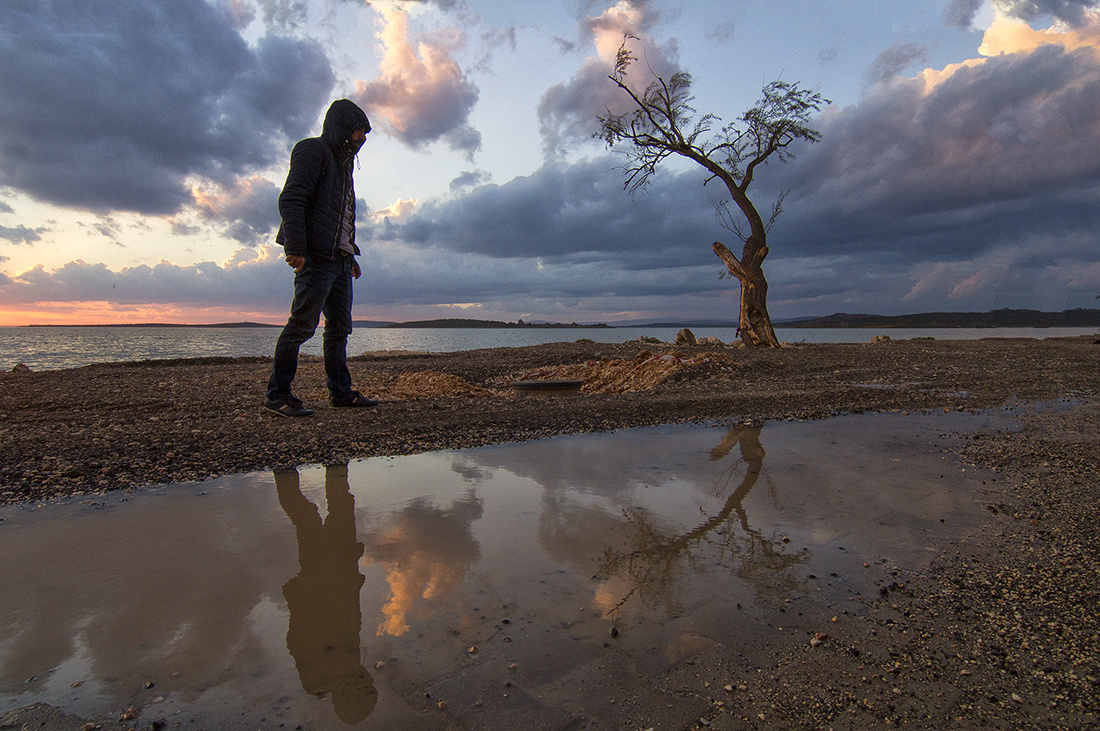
[572,212]
[995,150]
[112,106]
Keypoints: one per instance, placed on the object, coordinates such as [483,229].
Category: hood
[343,118]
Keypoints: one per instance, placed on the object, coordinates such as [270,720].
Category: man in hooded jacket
[317,206]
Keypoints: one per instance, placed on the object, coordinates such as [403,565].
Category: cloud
[1075,13]
[104,226]
[249,279]
[575,212]
[470,179]
[246,209]
[239,12]
[568,112]
[115,106]
[21,234]
[283,15]
[957,178]
[961,13]
[1012,128]
[1008,36]
[893,61]
[397,210]
[723,33]
[422,95]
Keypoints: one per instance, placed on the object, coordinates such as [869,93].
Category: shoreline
[121,425]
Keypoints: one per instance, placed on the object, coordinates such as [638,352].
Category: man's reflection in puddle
[323,599]
[652,562]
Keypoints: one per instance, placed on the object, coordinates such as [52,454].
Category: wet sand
[1000,631]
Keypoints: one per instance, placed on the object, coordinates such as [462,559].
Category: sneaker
[352,399]
[288,406]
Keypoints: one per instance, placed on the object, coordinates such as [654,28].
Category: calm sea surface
[47,348]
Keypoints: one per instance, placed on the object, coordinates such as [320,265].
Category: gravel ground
[1001,632]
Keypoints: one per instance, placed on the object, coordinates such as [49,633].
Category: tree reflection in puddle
[653,560]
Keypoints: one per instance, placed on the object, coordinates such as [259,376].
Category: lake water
[514,586]
[47,348]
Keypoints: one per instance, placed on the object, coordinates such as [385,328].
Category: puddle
[496,581]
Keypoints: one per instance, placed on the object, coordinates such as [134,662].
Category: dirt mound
[607,375]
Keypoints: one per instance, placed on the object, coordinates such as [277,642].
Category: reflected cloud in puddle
[346,595]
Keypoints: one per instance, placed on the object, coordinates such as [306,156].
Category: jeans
[323,286]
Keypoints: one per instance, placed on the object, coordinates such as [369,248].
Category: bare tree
[660,124]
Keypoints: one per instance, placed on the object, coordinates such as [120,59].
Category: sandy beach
[1000,632]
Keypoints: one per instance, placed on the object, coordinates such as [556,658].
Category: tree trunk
[754,322]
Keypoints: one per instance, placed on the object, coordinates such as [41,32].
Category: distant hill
[372,323]
[994,318]
[678,323]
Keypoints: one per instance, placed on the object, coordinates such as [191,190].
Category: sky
[143,145]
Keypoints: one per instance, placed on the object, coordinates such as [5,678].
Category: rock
[20,368]
[686,337]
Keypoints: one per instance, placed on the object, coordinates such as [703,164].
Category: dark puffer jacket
[320,173]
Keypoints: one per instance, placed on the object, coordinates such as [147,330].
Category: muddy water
[489,588]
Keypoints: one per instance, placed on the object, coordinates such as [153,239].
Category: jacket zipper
[343,212]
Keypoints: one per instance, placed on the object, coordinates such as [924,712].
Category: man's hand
[355,270]
[297,263]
